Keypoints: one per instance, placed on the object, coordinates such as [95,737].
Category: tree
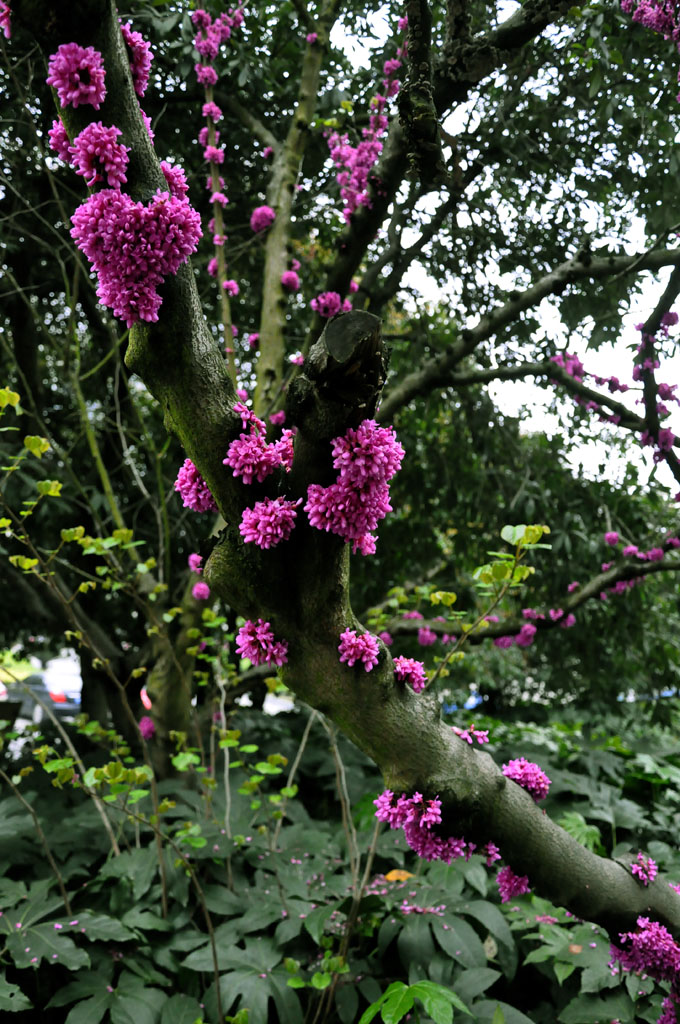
[518,207]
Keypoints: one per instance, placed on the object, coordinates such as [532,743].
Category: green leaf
[12,998]
[33,944]
[431,994]
[591,1009]
[397,1005]
[181,1009]
[91,1011]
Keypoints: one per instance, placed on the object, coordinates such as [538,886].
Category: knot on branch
[342,377]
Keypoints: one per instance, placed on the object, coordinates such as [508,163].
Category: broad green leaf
[591,1009]
[181,1009]
[92,1010]
[397,1005]
[12,999]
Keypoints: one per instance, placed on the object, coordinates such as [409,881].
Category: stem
[291,774]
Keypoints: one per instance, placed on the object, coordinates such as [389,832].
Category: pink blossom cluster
[140,57]
[210,34]
[193,489]
[650,950]
[471,732]
[77,73]
[408,670]
[511,885]
[194,562]
[98,156]
[417,818]
[178,185]
[133,247]
[367,458]
[357,162]
[426,636]
[329,304]
[269,522]
[262,218]
[249,455]
[147,727]
[201,591]
[5,14]
[644,868]
[361,647]
[529,776]
[255,641]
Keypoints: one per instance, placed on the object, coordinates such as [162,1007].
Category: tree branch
[436,372]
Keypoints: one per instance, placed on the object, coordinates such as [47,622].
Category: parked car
[63,699]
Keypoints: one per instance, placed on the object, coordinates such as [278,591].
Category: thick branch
[436,372]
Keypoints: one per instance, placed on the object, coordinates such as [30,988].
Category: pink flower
[59,141]
[529,776]
[269,522]
[611,538]
[211,154]
[574,586]
[194,562]
[205,74]
[193,489]
[277,419]
[201,591]
[355,648]
[140,57]
[426,636]
[77,73]
[230,287]
[645,869]
[297,359]
[147,727]
[176,178]
[651,950]
[386,638]
[255,641]
[511,885]
[253,341]
[5,25]
[408,670]
[366,458]
[327,304]
[267,152]
[212,111]
[290,281]
[311,37]
[262,218]
[492,853]
[97,156]
[525,637]
[133,247]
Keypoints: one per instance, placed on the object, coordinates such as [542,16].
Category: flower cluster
[367,458]
[363,647]
[481,735]
[650,950]
[98,156]
[133,247]
[77,73]
[417,818]
[5,14]
[644,868]
[529,776]
[140,57]
[147,727]
[255,641]
[269,522]
[329,304]
[210,34]
[262,218]
[249,455]
[193,489]
[408,670]
[511,885]
[355,163]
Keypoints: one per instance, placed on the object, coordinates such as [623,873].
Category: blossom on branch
[77,73]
